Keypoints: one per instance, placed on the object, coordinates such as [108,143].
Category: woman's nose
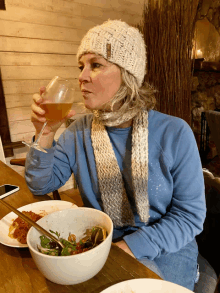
[84,75]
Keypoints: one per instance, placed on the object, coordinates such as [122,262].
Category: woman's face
[99,80]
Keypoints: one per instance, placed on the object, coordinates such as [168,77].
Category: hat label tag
[108,47]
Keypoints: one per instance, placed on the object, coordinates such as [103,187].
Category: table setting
[105,268]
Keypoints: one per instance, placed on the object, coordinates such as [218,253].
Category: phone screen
[6,188]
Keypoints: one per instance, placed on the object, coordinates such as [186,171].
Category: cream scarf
[113,194]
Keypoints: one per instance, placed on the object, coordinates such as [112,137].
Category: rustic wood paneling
[120,9]
[34,59]
[28,15]
[4,125]
[37,72]
[37,31]
[18,100]
[59,6]
[27,86]
[20,113]
[14,44]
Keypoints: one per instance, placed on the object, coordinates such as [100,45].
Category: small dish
[146,286]
[42,208]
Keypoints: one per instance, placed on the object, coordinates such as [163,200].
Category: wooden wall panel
[34,59]
[18,100]
[37,72]
[38,31]
[93,10]
[39,39]
[19,113]
[59,6]
[120,6]
[28,15]
[27,86]
[13,44]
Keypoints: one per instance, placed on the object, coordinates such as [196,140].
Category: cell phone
[7,189]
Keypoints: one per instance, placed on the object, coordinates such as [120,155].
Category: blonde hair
[131,98]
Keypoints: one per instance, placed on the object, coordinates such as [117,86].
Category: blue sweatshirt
[175,180]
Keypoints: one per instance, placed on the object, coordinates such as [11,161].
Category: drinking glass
[57,101]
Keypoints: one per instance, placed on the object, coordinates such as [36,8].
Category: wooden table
[18,272]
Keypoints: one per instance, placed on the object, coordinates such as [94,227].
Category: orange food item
[21,228]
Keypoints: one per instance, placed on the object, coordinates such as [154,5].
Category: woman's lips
[85,93]
[85,90]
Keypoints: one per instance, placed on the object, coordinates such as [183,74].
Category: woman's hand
[122,244]
[38,115]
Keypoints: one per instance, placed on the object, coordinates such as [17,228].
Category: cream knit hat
[119,43]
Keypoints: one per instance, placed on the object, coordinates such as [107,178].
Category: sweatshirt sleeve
[185,216]
[46,172]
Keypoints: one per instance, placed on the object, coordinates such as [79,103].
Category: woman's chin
[101,106]
[93,107]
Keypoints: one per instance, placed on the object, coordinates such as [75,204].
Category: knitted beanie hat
[118,43]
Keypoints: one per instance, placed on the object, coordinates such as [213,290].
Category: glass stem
[41,132]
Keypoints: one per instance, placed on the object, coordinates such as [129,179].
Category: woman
[140,166]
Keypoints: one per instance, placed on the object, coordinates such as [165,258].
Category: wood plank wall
[38,40]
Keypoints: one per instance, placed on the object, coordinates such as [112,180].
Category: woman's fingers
[37,114]
[35,117]
[37,99]
[37,110]
[42,90]
[70,114]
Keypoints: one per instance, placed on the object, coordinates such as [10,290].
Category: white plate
[146,286]
[41,207]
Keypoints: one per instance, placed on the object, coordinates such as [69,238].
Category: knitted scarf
[113,193]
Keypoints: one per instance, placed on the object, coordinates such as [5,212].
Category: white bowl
[73,269]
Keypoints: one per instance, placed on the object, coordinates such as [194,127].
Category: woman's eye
[96,65]
[93,66]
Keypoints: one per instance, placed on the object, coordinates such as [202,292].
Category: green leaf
[53,252]
[65,251]
[68,244]
[45,241]
[56,233]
